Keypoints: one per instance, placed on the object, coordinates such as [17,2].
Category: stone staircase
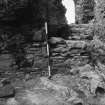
[66,53]
[72,52]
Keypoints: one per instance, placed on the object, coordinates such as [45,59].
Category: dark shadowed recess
[14,15]
[19,19]
[23,15]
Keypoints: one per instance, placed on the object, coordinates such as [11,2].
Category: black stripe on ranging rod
[48,51]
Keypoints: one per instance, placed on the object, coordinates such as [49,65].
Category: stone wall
[79,11]
[100,19]
[84,11]
[73,52]
[25,16]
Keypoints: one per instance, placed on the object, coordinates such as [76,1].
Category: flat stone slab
[7,91]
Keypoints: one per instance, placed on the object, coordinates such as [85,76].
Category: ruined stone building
[24,18]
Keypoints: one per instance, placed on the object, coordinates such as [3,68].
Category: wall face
[24,18]
[31,12]
[84,11]
[100,19]
[79,11]
[56,12]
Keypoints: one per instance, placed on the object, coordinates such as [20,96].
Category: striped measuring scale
[48,51]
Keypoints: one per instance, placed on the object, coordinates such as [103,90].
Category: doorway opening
[70,10]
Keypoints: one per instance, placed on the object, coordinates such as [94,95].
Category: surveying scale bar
[48,52]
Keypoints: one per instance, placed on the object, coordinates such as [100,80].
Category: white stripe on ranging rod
[49,67]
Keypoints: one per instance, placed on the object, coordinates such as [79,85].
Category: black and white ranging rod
[48,51]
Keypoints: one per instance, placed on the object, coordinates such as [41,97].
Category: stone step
[38,44]
[80,37]
[75,61]
[81,30]
[76,43]
[77,29]
[80,25]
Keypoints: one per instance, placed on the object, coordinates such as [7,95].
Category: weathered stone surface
[76,44]
[77,61]
[63,87]
[84,10]
[7,91]
[12,101]
[100,19]
[80,69]
[61,49]
[57,40]
[81,32]
[60,90]
[6,61]
[73,52]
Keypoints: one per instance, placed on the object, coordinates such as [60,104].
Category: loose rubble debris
[79,89]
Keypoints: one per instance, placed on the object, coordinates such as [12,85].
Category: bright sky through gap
[70,13]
